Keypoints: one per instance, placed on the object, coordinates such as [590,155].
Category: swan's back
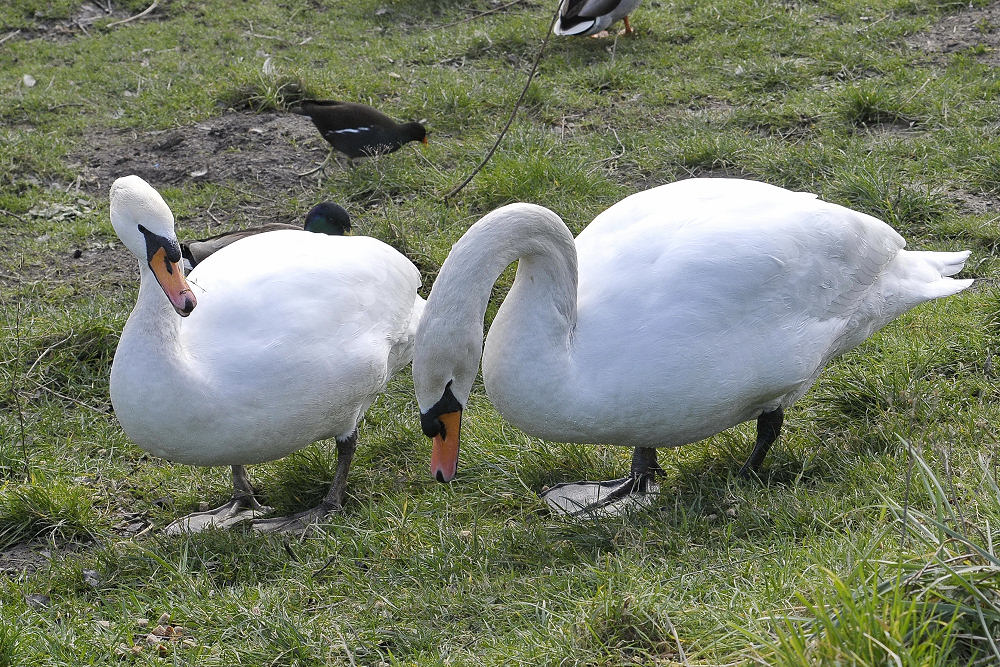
[308,290]
[752,252]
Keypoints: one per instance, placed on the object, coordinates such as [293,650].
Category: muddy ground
[961,32]
[82,22]
[258,156]
[259,153]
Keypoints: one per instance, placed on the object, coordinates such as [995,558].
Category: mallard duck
[290,339]
[677,313]
[590,17]
[358,130]
[323,218]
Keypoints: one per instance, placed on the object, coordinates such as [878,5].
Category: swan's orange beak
[171,279]
[444,447]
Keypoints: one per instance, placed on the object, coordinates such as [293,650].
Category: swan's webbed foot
[243,506]
[333,502]
[235,511]
[295,523]
[768,428]
[611,497]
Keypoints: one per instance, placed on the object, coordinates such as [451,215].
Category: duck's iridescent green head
[328,218]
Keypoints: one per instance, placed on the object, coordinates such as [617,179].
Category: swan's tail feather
[945,287]
[946,263]
[918,276]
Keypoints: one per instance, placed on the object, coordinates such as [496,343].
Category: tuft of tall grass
[958,572]
[266,91]
[875,104]
[882,190]
[863,625]
[10,641]
[709,152]
[935,602]
[534,169]
[631,625]
[984,170]
[301,479]
[41,508]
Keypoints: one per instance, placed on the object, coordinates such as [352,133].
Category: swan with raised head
[291,337]
[677,313]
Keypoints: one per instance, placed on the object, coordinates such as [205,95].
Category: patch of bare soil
[975,204]
[974,26]
[260,153]
[93,266]
[88,270]
[28,557]
[23,558]
[61,30]
[962,31]
[258,156]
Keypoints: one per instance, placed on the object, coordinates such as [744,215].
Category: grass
[810,565]
[39,508]
[260,91]
[938,605]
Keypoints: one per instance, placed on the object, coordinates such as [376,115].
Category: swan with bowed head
[679,312]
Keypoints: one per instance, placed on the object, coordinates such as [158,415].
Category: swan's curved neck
[543,296]
[532,235]
[153,321]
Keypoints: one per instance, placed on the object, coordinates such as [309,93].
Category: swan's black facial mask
[430,421]
[163,255]
[154,242]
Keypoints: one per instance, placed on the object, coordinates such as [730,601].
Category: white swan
[293,337]
[677,313]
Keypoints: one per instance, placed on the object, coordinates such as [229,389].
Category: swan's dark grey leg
[345,454]
[644,466]
[243,506]
[242,488]
[768,427]
[333,501]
